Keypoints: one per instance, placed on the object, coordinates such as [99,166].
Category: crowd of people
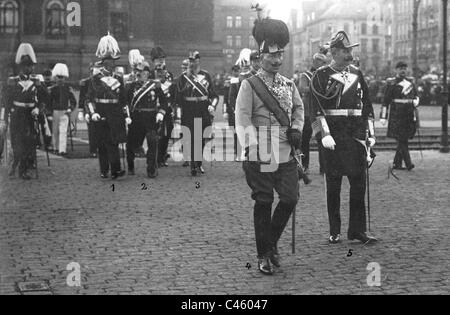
[274,119]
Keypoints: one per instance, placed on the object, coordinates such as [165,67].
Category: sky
[280,9]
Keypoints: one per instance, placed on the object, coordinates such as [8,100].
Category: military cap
[341,40]
[401,64]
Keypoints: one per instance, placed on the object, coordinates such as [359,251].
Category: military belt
[344,112]
[196,99]
[106,101]
[400,101]
[145,109]
[25,105]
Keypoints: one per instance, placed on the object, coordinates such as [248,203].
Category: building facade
[316,22]
[233,25]
[136,24]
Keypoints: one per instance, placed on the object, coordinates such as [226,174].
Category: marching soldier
[167,125]
[196,95]
[148,106]
[400,107]
[304,87]
[269,112]
[23,104]
[246,71]
[83,106]
[106,99]
[61,104]
[343,115]
[178,114]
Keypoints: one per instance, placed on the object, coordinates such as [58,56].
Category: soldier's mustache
[349,58]
[276,65]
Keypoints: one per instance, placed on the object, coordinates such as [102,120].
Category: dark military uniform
[342,99]
[22,96]
[304,85]
[195,94]
[399,108]
[83,105]
[106,97]
[168,124]
[145,101]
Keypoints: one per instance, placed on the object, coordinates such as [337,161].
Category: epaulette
[234,80]
[390,81]
[13,80]
[323,68]
[354,67]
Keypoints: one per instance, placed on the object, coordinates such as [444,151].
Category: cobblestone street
[173,236]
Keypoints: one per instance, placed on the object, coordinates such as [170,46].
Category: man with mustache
[343,115]
[269,113]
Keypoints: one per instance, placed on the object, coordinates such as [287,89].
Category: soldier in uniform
[400,103]
[23,104]
[196,95]
[148,106]
[304,87]
[83,105]
[269,107]
[61,103]
[226,96]
[106,99]
[167,86]
[246,71]
[343,115]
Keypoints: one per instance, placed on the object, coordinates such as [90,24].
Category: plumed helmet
[60,70]
[271,35]
[108,48]
[244,58]
[25,54]
[135,57]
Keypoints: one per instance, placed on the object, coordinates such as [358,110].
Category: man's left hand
[35,112]
[211,109]
[371,142]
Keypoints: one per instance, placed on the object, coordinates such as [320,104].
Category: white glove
[226,116]
[128,121]
[69,111]
[328,143]
[50,118]
[96,117]
[383,122]
[35,112]
[159,118]
[87,118]
[211,109]
[372,142]
[416,102]
[80,116]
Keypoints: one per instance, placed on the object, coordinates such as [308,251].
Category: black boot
[262,221]
[280,219]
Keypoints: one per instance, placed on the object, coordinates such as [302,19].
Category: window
[230,41]
[364,46]
[54,21]
[238,21]
[364,28]
[347,28]
[229,22]
[119,25]
[238,41]
[251,42]
[375,45]
[375,29]
[9,17]
[251,22]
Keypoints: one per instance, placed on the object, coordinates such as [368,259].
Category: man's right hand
[383,122]
[87,118]
[96,117]
[329,143]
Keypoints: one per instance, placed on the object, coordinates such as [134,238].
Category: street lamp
[445,148]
